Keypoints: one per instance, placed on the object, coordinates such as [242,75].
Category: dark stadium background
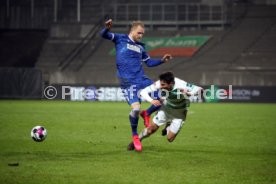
[50,45]
[57,43]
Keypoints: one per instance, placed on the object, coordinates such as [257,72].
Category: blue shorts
[132,88]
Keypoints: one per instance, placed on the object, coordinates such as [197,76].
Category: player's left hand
[166,57]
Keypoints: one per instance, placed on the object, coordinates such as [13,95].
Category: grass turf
[86,143]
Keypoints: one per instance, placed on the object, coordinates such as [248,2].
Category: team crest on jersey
[133,48]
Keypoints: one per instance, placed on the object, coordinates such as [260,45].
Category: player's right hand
[108,24]
[156,103]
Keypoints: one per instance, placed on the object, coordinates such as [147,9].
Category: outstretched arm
[188,88]
[155,62]
[145,94]
[195,91]
[105,32]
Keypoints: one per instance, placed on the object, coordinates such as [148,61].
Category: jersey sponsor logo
[133,48]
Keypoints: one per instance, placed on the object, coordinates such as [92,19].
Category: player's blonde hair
[136,24]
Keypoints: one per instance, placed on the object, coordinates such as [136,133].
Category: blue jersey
[130,56]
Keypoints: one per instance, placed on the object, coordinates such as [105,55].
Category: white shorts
[162,117]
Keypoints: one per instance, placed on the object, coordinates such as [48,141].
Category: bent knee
[152,129]
[135,112]
[171,137]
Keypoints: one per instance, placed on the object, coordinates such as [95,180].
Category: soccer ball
[39,133]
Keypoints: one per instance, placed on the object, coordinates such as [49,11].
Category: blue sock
[134,124]
[152,109]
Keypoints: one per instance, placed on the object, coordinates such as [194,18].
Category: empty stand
[242,54]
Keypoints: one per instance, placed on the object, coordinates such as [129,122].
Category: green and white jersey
[176,98]
[176,101]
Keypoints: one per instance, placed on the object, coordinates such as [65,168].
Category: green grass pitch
[86,143]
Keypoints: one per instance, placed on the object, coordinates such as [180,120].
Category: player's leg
[158,120]
[181,115]
[134,118]
[134,101]
[148,131]
[145,114]
[175,127]
[130,93]
[144,134]
[164,131]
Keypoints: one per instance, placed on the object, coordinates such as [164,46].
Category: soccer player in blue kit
[130,55]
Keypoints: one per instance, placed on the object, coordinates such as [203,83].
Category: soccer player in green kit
[174,106]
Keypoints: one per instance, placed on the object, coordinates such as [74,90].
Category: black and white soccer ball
[39,133]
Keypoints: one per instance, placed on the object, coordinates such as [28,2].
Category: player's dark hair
[168,77]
